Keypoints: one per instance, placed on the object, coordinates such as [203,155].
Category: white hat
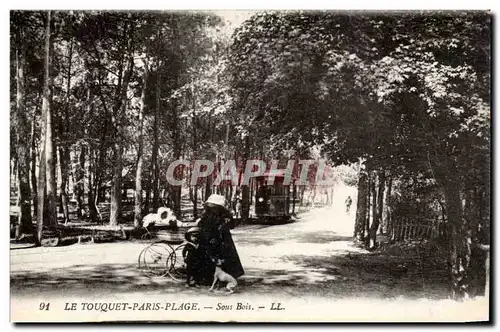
[216,200]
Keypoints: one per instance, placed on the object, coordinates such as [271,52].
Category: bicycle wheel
[176,265]
[153,260]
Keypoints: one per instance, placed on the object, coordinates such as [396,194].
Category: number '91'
[44,306]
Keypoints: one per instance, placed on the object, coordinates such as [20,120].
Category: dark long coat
[217,243]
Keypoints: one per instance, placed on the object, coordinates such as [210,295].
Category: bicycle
[161,258]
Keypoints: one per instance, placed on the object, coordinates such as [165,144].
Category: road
[312,259]
[284,255]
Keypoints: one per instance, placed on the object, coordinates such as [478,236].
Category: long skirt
[218,246]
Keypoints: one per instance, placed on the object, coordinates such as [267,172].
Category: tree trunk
[147,199]
[33,163]
[55,161]
[64,162]
[42,174]
[208,187]
[75,175]
[361,207]
[100,165]
[245,190]
[368,210]
[176,190]
[118,110]
[302,191]
[14,172]
[378,199]
[116,187]
[252,190]
[154,157]
[386,211]
[473,218]
[458,234]
[375,221]
[195,144]
[51,155]
[380,192]
[45,179]
[229,187]
[460,240]
[140,148]
[25,223]
[195,202]
[91,192]
[80,178]
[64,157]
[176,200]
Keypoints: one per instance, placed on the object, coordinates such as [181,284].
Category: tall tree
[33,161]
[64,152]
[378,200]
[46,183]
[194,124]
[361,208]
[126,67]
[22,136]
[154,156]
[49,137]
[140,148]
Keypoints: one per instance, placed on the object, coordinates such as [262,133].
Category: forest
[398,104]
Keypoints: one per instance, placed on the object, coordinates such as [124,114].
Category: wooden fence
[408,230]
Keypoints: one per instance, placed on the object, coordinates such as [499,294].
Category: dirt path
[270,254]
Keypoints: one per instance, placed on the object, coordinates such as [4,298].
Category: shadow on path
[345,276]
[103,278]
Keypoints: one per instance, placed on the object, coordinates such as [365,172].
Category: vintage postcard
[250,166]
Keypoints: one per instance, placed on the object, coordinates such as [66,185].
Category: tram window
[278,189]
[264,192]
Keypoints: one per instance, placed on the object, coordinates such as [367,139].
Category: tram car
[275,202]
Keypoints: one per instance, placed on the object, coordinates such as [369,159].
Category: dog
[220,275]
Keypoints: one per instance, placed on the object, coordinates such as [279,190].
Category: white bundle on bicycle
[163,217]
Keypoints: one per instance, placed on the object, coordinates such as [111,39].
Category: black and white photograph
[299,166]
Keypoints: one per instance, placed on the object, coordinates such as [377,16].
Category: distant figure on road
[348,203]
